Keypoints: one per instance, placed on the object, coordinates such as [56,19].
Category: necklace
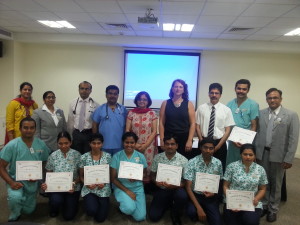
[178,102]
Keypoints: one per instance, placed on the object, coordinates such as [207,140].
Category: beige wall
[62,67]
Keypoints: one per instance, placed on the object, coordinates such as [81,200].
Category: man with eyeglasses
[79,118]
[109,119]
[276,142]
[214,120]
[203,205]
[245,113]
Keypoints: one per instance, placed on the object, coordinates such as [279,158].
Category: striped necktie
[211,126]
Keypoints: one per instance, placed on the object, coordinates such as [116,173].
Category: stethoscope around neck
[117,107]
[91,101]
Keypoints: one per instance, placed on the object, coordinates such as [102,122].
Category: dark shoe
[14,220]
[271,217]
[175,218]
[264,212]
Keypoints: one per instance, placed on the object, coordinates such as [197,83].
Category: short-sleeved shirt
[223,119]
[136,157]
[177,160]
[17,150]
[197,165]
[58,163]
[236,175]
[87,160]
[111,125]
[247,111]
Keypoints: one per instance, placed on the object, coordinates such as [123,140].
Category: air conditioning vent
[117,26]
[239,29]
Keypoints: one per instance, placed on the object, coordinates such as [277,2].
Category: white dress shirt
[54,116]
[223,119]
[74,111]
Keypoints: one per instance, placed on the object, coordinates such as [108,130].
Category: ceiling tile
[42,16]
[89,28]
[121,33]
[140,7]
[262,37]
[83,17]
[272,31]
[285,23]
[224,9]
[189,19]
[145,27]
[60,5]
[109,17]
[204,35]
[233,36]
[267,10]
[289,38]
[150,33]
[215,20]
[99,6]
[177,34]
[209,29]
[24,5]
[13,15]
[293,13]
[246,21]
[177,8]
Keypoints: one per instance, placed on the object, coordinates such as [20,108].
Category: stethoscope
[91,101]
[118,108]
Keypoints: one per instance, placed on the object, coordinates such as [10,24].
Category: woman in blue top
[128,192]
[245,175]
[64,159]
[95,196]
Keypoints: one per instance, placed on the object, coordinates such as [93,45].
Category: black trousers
[81,140]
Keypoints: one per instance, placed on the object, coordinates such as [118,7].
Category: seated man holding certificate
[22,193]
[64,190]
[202,175]
[127,169]
[244,175]
[166,171]
[94,173]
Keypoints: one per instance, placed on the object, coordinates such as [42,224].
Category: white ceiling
[270,19]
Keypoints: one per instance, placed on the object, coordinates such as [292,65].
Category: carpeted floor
[289,213]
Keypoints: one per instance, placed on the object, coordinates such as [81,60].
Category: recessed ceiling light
[168,26]
[57,24]
[295,32]
[187,27]
[177,27]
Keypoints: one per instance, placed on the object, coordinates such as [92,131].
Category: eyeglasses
[50,97]
[143,100]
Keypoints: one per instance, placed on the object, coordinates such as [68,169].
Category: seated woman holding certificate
[204,204]
[64,159]
[96,189]
[245,175]
[127,168]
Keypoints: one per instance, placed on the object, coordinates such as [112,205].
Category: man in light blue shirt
[109,119]
[245,112]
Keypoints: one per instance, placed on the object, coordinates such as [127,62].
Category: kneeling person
[168,195]
[22,194]
[203,205]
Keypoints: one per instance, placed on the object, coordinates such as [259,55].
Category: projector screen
[154,72]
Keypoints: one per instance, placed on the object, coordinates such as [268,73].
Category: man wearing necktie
[214,120]
[276,142]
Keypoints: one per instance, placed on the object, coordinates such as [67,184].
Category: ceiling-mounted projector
[149,18]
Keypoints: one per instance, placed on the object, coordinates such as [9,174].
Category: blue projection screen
[154,72]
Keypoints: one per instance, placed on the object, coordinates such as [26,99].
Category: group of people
[107,134]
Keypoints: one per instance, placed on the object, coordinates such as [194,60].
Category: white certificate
[98,174]
[242,135]
[59,182]
[207,182]
[130,170]
[240,200]
[169,174]
[29,170]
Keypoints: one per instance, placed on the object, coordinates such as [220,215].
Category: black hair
[170,136]
[24,84]
[138,96]
[112,87]
[27,119]
[248,146]
[216,86]
[185,94]
[207,140]
[64,134]
[130,134]
[273,89]
[85,82]
[96,136]
[243,81]
[47,93]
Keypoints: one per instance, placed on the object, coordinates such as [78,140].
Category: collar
[211,105]
[45,108]
[85,100]
[276,111]
[174,157]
